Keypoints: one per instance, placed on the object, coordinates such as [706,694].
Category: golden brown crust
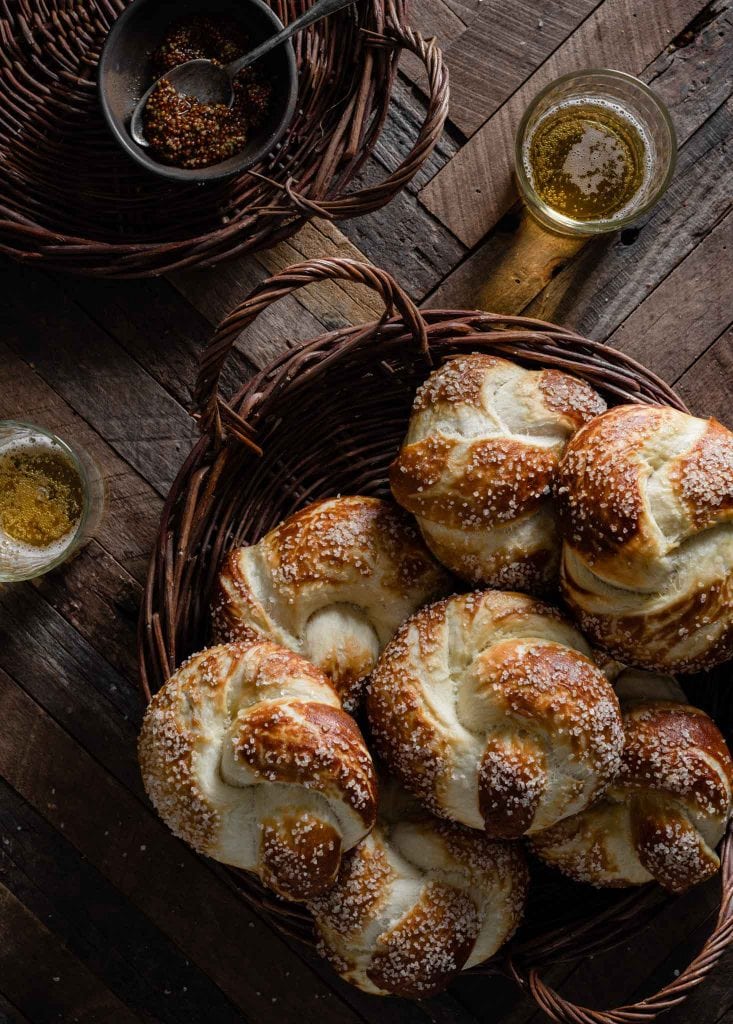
[479,459]
[247,755]
[665,812]
[669,846]
[300,855]
[677,749]
[431,943]
[332,582]
[646,508]
[599,491]
[512,776]
[487,707]
[307,744]
[417,901]
[500,483]
[702,478]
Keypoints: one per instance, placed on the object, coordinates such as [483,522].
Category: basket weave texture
[72,200]
[326,418]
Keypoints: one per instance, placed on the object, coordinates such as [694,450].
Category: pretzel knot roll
[332,582]
[478,461]
[490,710]
[248,756]
[665,813]
[646,501]
[416,902]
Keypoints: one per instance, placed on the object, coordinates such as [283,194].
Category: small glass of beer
[51,500]
[594,150]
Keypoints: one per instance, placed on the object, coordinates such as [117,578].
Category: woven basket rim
[234,425]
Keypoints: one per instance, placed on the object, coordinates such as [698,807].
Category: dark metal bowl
[125,72]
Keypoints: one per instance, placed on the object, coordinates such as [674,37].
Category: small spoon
[212,83]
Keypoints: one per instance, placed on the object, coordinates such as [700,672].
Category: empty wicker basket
[73,201]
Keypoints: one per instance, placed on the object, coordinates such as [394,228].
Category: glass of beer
[594,151]
[51,500]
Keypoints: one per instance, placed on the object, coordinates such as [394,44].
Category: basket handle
[646,1010]
[375,196]
[210,408]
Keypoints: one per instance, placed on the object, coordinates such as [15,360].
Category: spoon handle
[320,9]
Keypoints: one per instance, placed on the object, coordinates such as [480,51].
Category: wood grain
[157,326]
[83,364]
[10,1014]
[680,319]
[706,385]
[444,19]
[114,363]
[476,187]
[95,922]
[44,980]
[215,292]
[501,48]
[62,671]
[406,240]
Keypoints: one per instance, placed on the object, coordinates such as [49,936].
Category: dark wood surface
[105,918]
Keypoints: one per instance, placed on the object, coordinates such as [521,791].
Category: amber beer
[594,150]
[588,159]
[51,498]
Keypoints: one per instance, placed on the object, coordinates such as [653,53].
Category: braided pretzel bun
[646,502]
[247,754]
[332,582]
[476,466]
[417,901]
[665,813]
[489,709]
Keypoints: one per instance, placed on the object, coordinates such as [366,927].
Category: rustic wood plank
[706,385]
[496,53]
[128,527]
[519,259]
[401,128]
[10,1014]
[44,980]
[476,187]
[403,237]
[100,600]
[99,926]
[144,424]
[333,303]
[444,19]
[158,327]
[63,673]
[159,875]
[406,240]
[217,291]
[708,1002]
[686,312]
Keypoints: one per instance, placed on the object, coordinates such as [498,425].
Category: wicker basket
[71,199]
[329,416]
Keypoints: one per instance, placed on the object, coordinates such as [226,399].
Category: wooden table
[104,916]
